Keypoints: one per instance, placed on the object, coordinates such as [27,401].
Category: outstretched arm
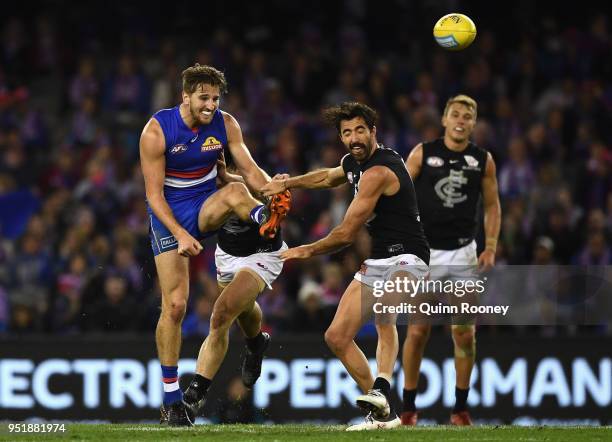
[371,185]
[318,179]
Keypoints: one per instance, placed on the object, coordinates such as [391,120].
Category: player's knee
[418,335]
[221,317]
[336,340]
[236,192]
[464,337]
[176,309]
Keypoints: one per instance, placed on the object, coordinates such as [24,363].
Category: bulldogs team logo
[211,143]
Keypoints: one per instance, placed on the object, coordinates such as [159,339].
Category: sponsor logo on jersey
[448,188]
[395,248]
[168,241]
[178,148]
[435,161]
[211,143]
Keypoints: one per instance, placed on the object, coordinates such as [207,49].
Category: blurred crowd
[76,89]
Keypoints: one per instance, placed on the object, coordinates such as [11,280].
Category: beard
[197,115]
[362,154]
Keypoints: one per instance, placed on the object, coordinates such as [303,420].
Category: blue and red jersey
[191,154]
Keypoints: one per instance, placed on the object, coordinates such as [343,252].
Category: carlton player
[385,201]
[246,264]
[451,174]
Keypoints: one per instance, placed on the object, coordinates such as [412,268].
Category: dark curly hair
[199,74]
[349,110]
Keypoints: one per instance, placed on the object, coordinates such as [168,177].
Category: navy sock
[172,391]
[256,213]
[254,344]
[200,385]
[460,400]
[383,385]
[385,388]
[409,397]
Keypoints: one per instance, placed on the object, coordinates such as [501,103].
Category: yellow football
[454,31]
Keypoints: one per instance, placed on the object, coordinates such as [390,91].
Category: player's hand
[486,260]
[281,176]
[273,187]
[301,252]
[188,245]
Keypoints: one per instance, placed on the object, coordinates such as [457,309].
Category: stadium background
[78,82]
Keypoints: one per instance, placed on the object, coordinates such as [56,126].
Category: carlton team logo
[211,143]
[448,189]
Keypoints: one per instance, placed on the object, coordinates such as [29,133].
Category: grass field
[336,433]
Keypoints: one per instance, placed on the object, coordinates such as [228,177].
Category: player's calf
[464,338]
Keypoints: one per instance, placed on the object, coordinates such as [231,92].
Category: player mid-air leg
[235,198]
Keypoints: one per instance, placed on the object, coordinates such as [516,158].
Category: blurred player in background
[385,200]
[451,174]
[179,149]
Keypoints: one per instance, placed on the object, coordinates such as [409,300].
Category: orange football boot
[278,207]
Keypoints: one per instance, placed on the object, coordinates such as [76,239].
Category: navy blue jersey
[395,225]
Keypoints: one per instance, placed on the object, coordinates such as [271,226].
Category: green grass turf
[336,433]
